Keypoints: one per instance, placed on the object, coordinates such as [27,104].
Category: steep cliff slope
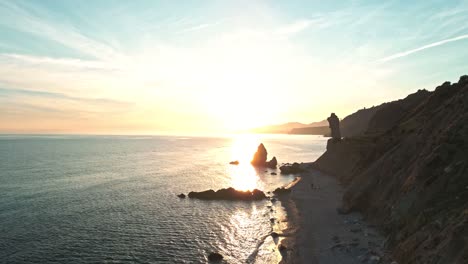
[408,173]
[357,123]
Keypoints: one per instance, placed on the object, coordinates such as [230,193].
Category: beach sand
[317,233]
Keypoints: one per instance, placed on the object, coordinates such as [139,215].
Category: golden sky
[215,67]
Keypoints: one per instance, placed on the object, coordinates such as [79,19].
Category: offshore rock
[230,194]
[272,163]
[260,158]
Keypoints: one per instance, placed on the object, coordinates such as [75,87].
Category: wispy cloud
[33,22]
[428,46]
[60,96]
[295,27]
[63,62]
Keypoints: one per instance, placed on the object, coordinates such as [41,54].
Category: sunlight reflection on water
[244,176]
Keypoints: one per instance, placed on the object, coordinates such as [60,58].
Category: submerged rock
[229,194]
[213,256]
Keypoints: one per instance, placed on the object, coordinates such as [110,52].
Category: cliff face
[357,123]
[408,173]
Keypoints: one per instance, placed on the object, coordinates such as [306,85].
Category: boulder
[181,195]
[215,257]
[229,194]
[236,162]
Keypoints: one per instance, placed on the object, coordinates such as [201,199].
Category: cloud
[33,93]
[428,46]
[31,20]
[62,62]
[295,27]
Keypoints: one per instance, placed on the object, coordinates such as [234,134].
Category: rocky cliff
[408,173]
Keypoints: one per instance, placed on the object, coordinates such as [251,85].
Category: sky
[149,67]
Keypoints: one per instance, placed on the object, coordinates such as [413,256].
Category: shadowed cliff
[408,173]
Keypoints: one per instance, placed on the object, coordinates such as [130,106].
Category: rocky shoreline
[318,233]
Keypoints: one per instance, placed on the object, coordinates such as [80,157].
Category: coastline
[317,233]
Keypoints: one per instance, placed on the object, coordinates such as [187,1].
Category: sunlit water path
[97,199]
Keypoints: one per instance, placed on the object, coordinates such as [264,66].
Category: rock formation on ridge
[334,126]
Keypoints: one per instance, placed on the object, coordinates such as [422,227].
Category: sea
[113,199]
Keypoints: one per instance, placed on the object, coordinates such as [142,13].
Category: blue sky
[162,66]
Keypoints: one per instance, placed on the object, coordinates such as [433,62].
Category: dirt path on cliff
[318,233]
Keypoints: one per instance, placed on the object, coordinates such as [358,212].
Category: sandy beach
[317,233]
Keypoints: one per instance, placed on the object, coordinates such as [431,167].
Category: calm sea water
[101,199]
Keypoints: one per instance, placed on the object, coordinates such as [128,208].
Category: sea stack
[260,158]
[334,123]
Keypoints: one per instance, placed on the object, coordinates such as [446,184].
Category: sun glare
[244,176]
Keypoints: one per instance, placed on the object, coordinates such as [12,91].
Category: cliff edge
[408,174]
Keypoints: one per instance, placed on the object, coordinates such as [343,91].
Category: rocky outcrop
[334,123]
[408,174]
[294,168]
[357,123]
[260,158]
[229,194]
[272,163]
